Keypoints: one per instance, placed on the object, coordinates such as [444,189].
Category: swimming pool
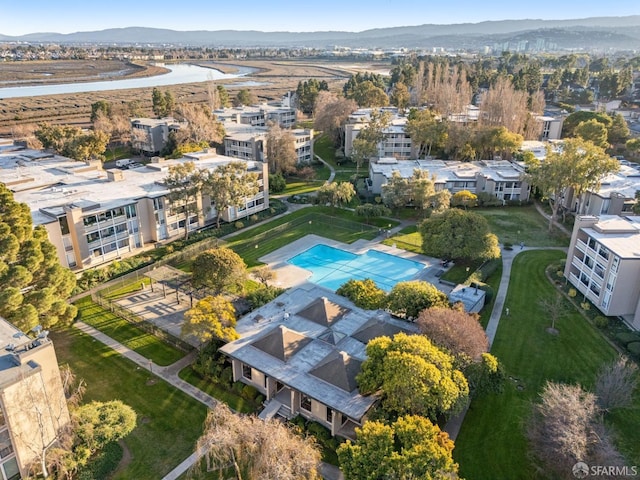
[331,267]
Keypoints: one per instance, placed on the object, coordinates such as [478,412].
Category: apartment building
[614,196]
[500,178]
[150,135]
[33,408]
[603,264]
[304,350]
[249,143]
[258,116]
[94,216]
[395,144]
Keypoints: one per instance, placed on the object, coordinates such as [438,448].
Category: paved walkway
[332,170]
[170,375]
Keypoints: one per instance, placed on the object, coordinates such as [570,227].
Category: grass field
[522,224]
[129,335]
[169,421]
[329,222]
[491,443]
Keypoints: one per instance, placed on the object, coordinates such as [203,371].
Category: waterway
[180,73]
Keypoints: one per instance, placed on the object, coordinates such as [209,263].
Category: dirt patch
[124,461]
[75,109]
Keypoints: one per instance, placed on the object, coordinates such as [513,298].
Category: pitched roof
[281,343]
[323,312]
[375,328]
[338,369]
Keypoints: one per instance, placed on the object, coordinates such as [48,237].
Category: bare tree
[254,448]
[331,113]
[264,274]
[201,126]
[555,308]
[281,150]
[561,429]
[26,133]
[616,383]
[456,330]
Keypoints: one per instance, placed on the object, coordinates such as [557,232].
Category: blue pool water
[331,267]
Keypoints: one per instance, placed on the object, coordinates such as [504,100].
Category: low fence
[141,323]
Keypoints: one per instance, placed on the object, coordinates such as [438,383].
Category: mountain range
[618,33]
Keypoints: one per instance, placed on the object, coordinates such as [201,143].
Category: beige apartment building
[33,408]
[603,264]
[94,216]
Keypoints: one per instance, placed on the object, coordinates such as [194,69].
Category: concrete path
[170,375]
[332,170]
[499,309]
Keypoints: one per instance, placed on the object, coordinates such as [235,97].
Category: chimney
[115,175]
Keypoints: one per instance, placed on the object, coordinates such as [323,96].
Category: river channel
[180,73]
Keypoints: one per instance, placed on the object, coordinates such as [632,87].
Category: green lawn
[298,187]
[408,239]
[129,335]
[235,401]
[491,443]
[169,421]
[329,222]
[522,224]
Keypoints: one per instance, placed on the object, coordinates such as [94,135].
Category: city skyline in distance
[69,16]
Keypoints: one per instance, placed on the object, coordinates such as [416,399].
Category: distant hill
[586,33]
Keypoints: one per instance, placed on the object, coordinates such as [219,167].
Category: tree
[184,182]
[408,299]
[425,131]
[368,95]
[201,128]
[410,447]
[493,141]
[580,165]
[565,428]
[413,377]
[229,186]
[616,384]
[244,97]
[218,269]
[33,285]
[594,132]
[330,115]
[464,198]
[555,308]
[396,192]
[370,210]
[162,103]
[100,423]
[253,448]
[365,145]
[281,150]
[101,106]
[572,121]
[211,317]
[308,92]
[633,145]
[336,193]
[363,293]
[459,332]
[618,131]
[277,183]
[88,146]
[264,274]
[459,235]
[400,96]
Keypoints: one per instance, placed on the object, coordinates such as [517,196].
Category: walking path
[170,375]
[332,170]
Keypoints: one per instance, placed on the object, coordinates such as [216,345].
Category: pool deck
[288,275]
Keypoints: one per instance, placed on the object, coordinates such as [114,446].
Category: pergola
[171,277]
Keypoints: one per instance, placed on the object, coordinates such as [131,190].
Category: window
[6,448]
[64,225]
[11,471]
[246,371]
[329,415]
[305,403]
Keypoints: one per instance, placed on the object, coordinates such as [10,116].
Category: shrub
[634,347]
[249,392]
[306,173]
[169,249]
[572,292]
[226,376]
[103,464]
[239,225]
[237,387]
[277,183]
[627,337]
[260,399]
[318,431]
[601,322]
[254,218]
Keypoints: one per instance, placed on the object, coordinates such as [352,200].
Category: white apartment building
[249,143]
[603,264]
[258,115]
[33,408]
[500,178]
[150,135]
[94,216]
[396,143]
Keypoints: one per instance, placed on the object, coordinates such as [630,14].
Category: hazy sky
[18,17]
